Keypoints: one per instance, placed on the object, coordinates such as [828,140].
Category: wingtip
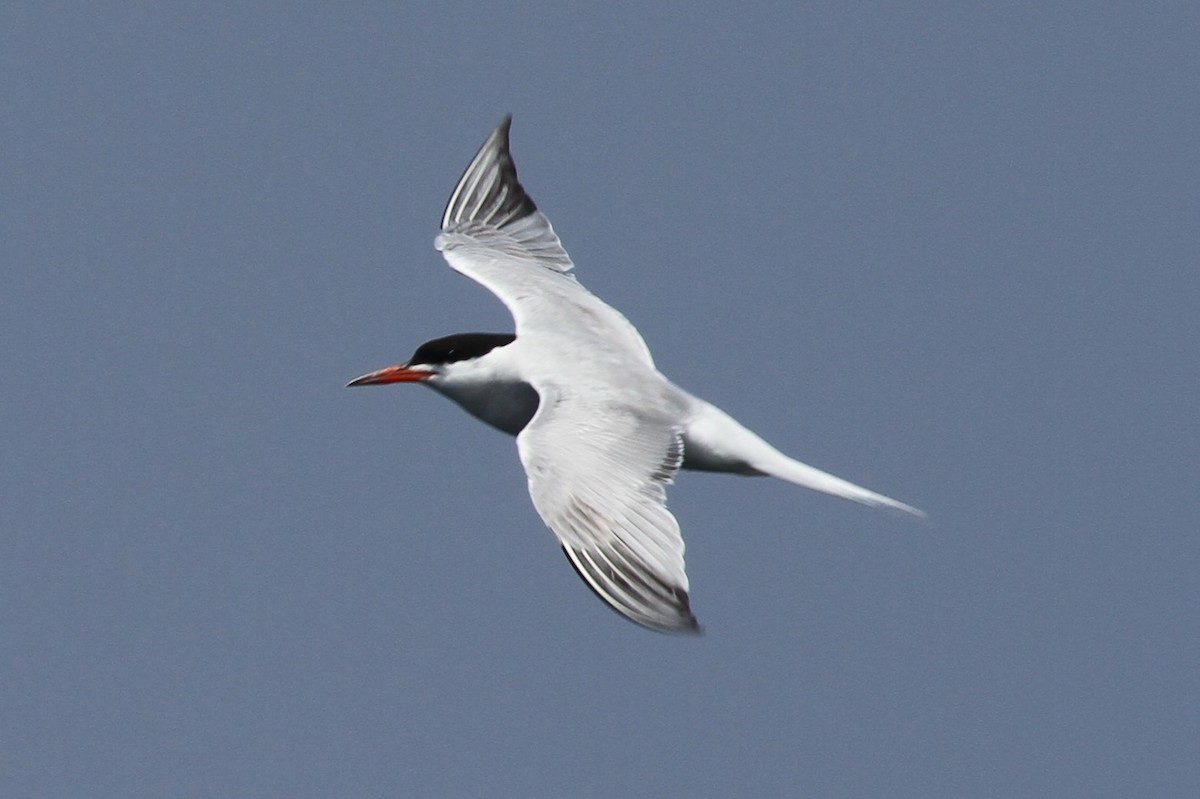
[686,626]
[688,623]
[489,190]
[499,139]
[673,618]
[685,623]
[693,627]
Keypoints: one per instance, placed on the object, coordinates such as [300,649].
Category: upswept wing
[597,474]
[597,460]
[493,233]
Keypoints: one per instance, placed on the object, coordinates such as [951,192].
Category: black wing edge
[488,190]
[633,591]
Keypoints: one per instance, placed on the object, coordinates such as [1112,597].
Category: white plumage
[599,430]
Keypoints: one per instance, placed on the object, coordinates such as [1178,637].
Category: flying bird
[600,431]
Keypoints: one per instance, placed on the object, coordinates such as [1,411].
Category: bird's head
[435,358]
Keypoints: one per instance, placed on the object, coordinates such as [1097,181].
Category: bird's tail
[792,470]
[715,441]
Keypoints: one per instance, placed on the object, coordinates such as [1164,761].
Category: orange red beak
[400,373]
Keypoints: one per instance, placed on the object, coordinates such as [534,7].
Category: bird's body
[600,431]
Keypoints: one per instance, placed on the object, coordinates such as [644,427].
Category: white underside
[600,432]
[713,441]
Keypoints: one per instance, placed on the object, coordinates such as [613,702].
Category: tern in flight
[599,430]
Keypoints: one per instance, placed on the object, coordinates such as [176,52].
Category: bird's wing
[493,233]
[597,472]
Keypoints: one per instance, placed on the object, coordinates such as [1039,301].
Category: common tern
[600,431]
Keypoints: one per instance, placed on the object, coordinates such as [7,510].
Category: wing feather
[493,233]
[602,493]
[597,460]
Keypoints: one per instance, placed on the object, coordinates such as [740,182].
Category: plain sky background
[946,250]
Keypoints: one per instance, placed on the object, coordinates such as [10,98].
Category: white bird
[599,430]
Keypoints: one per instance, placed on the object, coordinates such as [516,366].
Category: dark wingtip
[498,139]
[691,625]
[489,190]
[685,622]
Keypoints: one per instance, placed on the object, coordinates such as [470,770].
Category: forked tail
[714,441]
[802,474]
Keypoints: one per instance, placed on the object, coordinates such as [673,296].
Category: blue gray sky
[945,250]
